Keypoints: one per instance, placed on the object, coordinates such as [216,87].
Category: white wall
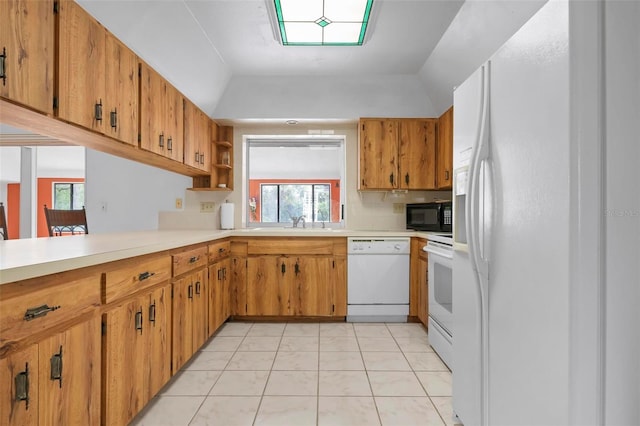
[295,163]
[324,97]
[132,193]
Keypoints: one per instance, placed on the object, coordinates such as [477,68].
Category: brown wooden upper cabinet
[397,153]
[197,137]
[27,53]
[444,151]
[161,115]
[98,82]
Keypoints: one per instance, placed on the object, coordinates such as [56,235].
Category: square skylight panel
[323,22]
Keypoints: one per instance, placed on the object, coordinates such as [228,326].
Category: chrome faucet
[297,219]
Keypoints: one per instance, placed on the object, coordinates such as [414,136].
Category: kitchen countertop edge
[34,257]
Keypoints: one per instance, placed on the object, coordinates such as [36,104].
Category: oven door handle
[446,253]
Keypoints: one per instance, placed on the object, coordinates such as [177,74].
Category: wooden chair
[66,221]
[3,223]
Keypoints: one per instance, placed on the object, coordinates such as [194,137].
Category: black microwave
[436,217]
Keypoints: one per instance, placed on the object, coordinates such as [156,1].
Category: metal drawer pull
[197,287]
[22,386]
[3,70]
[139,320]
[220,250]
[98,110]
[152,312]
[56,367]
[194,259]
[145,275]
[40,311]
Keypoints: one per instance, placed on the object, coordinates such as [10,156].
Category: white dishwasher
[378,279]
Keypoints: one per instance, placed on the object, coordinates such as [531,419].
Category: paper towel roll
[226,216]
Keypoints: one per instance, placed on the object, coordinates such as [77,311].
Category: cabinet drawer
[219,251]
[134,276]
[297,246]
[38,304]
[188,260]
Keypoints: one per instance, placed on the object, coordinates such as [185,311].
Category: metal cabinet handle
[139,320]
[56,367]
[220,250]
[194,259]
[39,311]
[161,140]
[98,110]
[446,175]
[190,291]
[114,119]
[391,178]
[170,144]
[283,268]
[297,268]
[201,158]
[145,275]
[152,312]
[224,273]
[406,178]
[198,287]
[22,386]
[3,69]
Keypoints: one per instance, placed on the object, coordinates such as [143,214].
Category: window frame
[71,197]
[295,140]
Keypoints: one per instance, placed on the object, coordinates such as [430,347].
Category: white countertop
[33,257]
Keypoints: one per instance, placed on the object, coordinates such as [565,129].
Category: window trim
[72,184]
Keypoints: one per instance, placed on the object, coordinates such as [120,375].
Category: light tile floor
[296,374]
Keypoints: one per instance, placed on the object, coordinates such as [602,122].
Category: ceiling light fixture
[323,22]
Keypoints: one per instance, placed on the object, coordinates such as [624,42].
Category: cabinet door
[81,56]
[200,310]
[152,110]
[70,376]
[19,396]
[124,361]
[26,40]
[196,137]
[215,301]
[417,154]
[183,293]
[339,290]
[226,290]
[312,292]
[265,294]
[121,104]
[378,154]
[174,125]
[444,151]
[238,286]
[158,340]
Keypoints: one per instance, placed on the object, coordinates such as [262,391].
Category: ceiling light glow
[323,22]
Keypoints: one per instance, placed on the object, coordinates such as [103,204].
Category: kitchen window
[289,177]
[68,196]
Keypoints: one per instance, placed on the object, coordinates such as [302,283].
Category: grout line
[255,417]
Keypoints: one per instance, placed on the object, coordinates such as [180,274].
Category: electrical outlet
[398,208]
[178,203]
[207,206]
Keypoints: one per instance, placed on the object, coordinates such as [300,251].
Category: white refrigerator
[511,241]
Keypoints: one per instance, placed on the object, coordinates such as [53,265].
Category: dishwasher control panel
[378,246]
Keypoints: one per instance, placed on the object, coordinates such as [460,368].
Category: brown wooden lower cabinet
[136,354]
[418,290]
[37,390]
[219,293]
[190,311]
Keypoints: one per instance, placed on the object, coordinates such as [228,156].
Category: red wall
[45,196]
[254,192]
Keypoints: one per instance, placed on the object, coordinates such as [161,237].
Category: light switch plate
[178,203]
